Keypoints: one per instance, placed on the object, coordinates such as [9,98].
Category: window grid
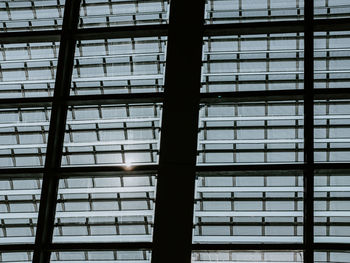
[325,81]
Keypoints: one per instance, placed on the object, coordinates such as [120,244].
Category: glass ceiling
[31,15]
[112,134]
[108,66]
[28,69]
[113,209]
[252,165]
[23,136]
[253,62]
[263,132]
[106,13]
[137,256]
[19,207]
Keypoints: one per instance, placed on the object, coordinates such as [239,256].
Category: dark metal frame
[185,33]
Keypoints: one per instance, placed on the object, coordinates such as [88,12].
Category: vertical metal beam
[49,190]
[172,238]
[309,131]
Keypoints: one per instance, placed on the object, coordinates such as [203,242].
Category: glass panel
[21,15]
[332,59]
[249,207]
[116,209]
[16,257]
[331,9]
[332,131]
[105,13]
[332,207]
[112,134]
[233,11]
[332,257]
[119,66]
[23,136]
[28,69]
[122,256]
[253,62]
[19,207]
[261,132]
[247,256]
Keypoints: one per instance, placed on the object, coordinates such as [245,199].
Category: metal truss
[177,160]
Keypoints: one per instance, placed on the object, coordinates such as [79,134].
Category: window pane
[247,256]
[16,257]
[19,207]
[24,15]
[28,69]
[332,256]
[115,209]
[253,62]
[332,59]
[332,131]
[122,256]
[104,13]
[249,207]
[119,66]
[112,134]
[332,207]
[332,9]
[261,132]
[23,136]
[232,11]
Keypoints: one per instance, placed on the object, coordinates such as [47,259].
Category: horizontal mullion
[274,27]
[216,97]
[210,189]
[99,246]
[250,239]
[162,30]
[121,32]
[81,214]
[204,224]
[203,170]
[30,36]
[252,246]
[58,247]
[270,141]
[253,28]
[103,238]
[262,213]
[82,190]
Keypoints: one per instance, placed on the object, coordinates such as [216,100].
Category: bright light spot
[128,166]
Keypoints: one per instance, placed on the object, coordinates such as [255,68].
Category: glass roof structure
[149,131]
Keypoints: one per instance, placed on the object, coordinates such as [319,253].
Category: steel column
[48,200]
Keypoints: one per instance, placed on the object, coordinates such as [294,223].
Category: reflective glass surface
[16,257]
[332,256]
[131,256]
[119,66]
[332,207]
[233,11]
[261,132]
[22,15]
[332,59]
[125,134]
[105,13]
[247,256]
[19,207]
[331,9]
[23,136]
[253,62]
[332,131]
[116,209]
[28,69]
[255,207]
